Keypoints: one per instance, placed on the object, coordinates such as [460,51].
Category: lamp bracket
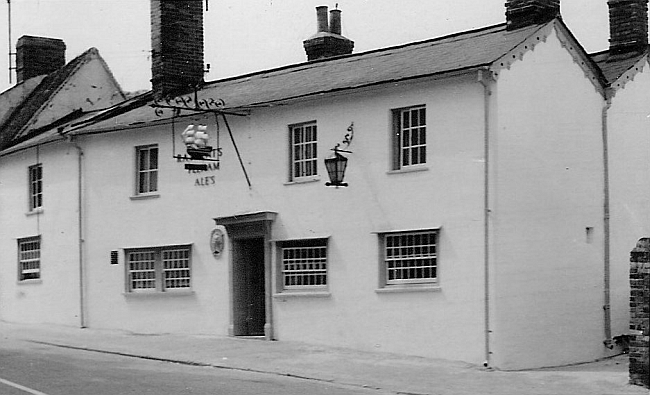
[347,139]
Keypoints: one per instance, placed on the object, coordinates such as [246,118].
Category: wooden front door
[249,294]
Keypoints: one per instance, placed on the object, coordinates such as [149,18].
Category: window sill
[35,211]
[303,294]
[389,289]
[145,196]
[409,169]
[30,282]
[305,180]
[155,294]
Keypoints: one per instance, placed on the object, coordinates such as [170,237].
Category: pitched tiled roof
[15,123]
[438,56]
[614,65]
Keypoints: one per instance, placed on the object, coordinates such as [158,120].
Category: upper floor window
[159,269]
[409,257]
[35,187]
[147,169]
[409,137]
[304,154]
[29,258]
[303,264]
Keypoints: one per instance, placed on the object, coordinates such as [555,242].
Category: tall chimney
[38,56]
[522,13]
[628,25]
[327,41]
[176,46]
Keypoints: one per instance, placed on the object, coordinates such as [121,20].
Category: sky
[243,36]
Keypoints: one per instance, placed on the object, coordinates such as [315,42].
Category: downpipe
[80,251]
[485,78]
[607,317]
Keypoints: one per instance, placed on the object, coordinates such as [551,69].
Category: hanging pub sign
[200,155]
[195,138]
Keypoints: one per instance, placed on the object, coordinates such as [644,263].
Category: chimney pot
[321,18]
[335,22]
[38,56]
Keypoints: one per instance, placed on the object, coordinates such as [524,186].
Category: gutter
[607,317]
[485,78]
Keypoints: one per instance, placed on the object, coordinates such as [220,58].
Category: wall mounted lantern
[336,170]
[337,164]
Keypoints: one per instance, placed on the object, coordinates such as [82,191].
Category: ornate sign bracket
[196,137]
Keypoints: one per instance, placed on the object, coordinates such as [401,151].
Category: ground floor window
[303,264]
[29,258]
[159,268]
[409,257]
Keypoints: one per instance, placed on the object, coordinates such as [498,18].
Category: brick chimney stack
[177,46]
[38,56]
[327,41]
[628,25]
[522,13]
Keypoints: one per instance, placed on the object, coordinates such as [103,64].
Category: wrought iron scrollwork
[347,139]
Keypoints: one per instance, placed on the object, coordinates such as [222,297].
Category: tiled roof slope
[14,96]
[456,52]
[460,51]
[21,116]
[614,65]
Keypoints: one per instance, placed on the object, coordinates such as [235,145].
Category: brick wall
[640,313]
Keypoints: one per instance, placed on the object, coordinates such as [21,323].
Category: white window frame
[163,275]
[145,173]
[409,141]
[29,259]
[303,151]
[409,257]
[303,265]
[35,180]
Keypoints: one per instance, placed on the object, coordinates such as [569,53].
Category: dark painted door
[249,297]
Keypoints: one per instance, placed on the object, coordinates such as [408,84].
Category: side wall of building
[546,213]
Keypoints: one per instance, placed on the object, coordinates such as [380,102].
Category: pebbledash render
[497,179]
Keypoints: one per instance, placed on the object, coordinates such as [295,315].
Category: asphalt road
[28,368]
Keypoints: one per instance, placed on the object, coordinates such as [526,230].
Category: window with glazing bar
[303,264]
[409,137]
[29,258]
[304,153]
[410,257]
[147,169]
[159,269]
[35,187]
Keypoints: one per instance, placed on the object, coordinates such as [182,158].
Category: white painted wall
[629,160]
[55,298]
[445,324]
[546,183]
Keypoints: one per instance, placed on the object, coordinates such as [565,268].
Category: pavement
[386,373]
